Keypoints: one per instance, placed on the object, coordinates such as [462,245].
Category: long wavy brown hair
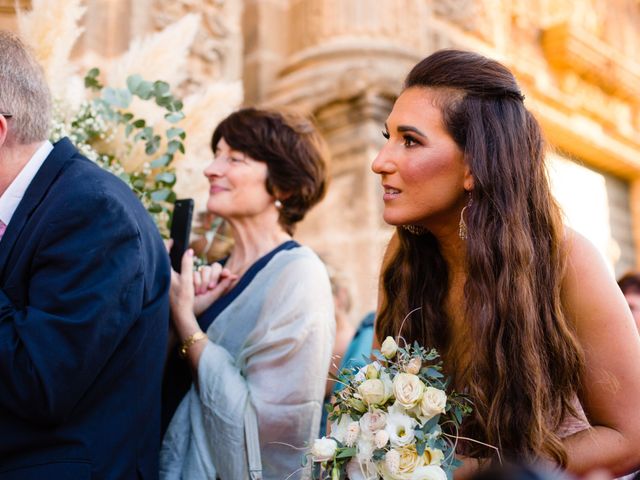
[524,362]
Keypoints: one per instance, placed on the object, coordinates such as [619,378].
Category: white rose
[408,389]
[433,402]
[400,429]
[428,472]
[372,391]
[372,421]
[389,348]
[353,430]
[381,438]
[323,449]
[414,366]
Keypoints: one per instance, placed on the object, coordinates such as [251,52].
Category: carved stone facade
[343,61]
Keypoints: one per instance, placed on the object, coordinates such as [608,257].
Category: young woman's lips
[390,193]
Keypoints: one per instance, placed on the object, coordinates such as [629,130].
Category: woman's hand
[181,298]
[210,282]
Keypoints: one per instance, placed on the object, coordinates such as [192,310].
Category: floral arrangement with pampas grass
[133,126]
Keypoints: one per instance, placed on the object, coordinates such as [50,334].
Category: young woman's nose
[382,163]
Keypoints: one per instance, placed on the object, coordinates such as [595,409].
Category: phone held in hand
[180,231]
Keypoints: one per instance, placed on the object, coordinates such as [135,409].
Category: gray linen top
[272,347]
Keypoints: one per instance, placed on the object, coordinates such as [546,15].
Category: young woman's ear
[468,181]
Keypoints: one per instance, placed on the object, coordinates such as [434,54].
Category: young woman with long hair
[524,311]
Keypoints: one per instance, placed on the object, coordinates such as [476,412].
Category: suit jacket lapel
[39,186]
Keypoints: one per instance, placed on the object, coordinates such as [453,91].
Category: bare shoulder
[588,284]
[605,329]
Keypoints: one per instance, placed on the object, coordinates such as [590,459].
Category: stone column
[343,61]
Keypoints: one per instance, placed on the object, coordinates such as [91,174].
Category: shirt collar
[10,199]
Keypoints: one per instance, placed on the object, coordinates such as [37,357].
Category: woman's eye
[385,134]
[409,141]
[236,159]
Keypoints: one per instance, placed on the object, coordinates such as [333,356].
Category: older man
[84,283]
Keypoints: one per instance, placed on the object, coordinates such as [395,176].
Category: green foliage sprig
[95,124]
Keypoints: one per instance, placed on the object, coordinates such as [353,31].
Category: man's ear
[3,130]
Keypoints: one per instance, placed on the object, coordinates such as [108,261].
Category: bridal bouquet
[390,421]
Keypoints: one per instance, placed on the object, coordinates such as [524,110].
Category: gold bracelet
[196,337]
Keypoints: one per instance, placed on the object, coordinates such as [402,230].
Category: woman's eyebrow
[409,128]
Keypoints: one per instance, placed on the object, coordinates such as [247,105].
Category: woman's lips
[216,189]
[390,193]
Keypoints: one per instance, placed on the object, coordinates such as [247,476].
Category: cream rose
[409,459]
[372,421]
[413,366]
[351,437]
[433,456]
[372,372]
[433,402]
[428,472]
[408,389]
[372,392]
[381,438]
[323,449]
[389,348]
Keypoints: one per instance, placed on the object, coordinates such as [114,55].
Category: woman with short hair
[268,313]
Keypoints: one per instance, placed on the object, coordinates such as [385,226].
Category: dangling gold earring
[462,226]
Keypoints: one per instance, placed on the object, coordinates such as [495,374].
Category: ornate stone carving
[316,22]
[217,50]
[482,18]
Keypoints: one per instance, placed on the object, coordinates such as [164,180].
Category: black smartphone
[180,231]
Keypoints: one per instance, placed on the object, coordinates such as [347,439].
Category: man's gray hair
[24,93]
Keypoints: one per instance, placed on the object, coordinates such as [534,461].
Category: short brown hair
[295,154]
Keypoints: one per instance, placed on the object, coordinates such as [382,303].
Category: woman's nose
[214,169]
[382,163]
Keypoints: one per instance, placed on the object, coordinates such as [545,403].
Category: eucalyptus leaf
[116,97]
[174,117]
[173,147]
[161,89]
[133,82]
[166,177]
[161,161]
[174,132]
[160,195]
[144,90]
[154,208]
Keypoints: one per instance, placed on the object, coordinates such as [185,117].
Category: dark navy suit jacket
[84,281]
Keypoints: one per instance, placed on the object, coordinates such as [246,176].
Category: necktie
[3,227]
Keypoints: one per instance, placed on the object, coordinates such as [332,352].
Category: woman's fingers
[168,243]
[186,273]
